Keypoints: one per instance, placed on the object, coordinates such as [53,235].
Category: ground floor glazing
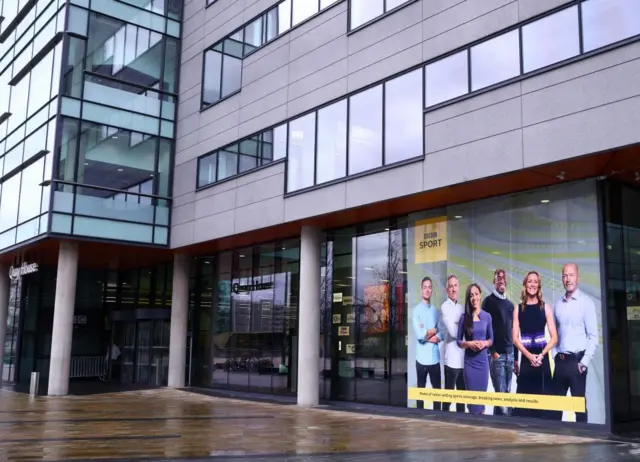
[244,310]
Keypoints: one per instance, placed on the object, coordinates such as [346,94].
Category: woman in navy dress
[475,335]
[530,318]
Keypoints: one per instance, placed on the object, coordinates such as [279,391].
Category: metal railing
[88,366]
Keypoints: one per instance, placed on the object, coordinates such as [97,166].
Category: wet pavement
[178,425]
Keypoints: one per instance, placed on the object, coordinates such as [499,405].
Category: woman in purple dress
[475,335]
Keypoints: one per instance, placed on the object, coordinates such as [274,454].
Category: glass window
[284,16]
[253,35]
[227,164]
[271,24]
[363,11]
[608,21]
[365,130]
[280,142]
[8,202]
[207,170]
[404,120]
[303,9]
[326,3]
[551,39]
[302,136]
[31,191]
[332,142]
[247,163]
[212,77]
[231,75]
[391,4]
[447,78]
[495,60]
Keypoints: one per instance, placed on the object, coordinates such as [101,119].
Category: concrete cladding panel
[583,107]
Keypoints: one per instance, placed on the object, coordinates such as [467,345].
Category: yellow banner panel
[430,237]
[541,402]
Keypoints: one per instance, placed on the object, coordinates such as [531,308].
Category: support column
[4,311]
[309,318]
[62,335]
[179,320]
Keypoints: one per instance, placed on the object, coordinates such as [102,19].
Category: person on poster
[577,324]
[453,354]
[427,326]
[501,363]
[530,319]
[475,335]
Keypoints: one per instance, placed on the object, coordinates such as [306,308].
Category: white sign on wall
[26,268]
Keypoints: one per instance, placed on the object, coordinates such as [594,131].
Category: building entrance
[622,243]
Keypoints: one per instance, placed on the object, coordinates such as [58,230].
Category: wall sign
[26,268]
[237,288]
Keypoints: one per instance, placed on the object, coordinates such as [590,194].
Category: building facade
[425,204]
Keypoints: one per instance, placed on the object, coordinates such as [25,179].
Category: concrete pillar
[179,321]
[309,318]
[4,310]
[62,335]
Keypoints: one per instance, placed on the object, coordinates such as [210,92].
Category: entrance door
[622,237]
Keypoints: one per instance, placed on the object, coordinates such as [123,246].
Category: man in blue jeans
[501,360]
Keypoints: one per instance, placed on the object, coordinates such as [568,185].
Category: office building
[272,196]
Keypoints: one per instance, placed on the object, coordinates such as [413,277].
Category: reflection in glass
[332,142]
[302,139]
[212,77]
[303,9]
[284,16]
[363,11]
[447,78]
[30,191]
[403,118]
[495,60]
[608,21]
[8,202]
[551,39]
[365,130]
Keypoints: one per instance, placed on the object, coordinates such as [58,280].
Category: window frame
[385,12]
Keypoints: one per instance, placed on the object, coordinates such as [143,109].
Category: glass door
[622,259]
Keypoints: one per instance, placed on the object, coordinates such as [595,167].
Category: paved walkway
[174,425]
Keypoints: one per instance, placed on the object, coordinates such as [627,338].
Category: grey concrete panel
[182,234]
[317,97]
[589,91]
[222,18]
[189,107]
[475,125]
[435,7]
[264,86]
[191,8]
[179,201]
[529,8]
[191,73]
[226,109]
[386,48]
[214,226]
[324,32]
[262,121]
[215,204]
[612,58]
[318,79]
[258,215]
[253,8]
[384,30]
[459,27]
[483,158]
[266,61]
[473,104]
[598,129]
[257,191]
[184,178]
[382,69]
[191,26]
[318,202]
[183,213]
[397,182]
[274,169]
[318,59]
[187,141]
[326,15]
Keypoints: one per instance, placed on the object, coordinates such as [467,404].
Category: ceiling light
[86,163]
[545,201]
[241,256]
[119,169]
[457,217]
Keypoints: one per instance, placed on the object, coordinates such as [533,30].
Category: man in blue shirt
[578,336]
[427,325]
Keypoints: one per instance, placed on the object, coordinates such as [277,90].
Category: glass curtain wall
[622,241]
[246,320]
[120,85]
[367,317]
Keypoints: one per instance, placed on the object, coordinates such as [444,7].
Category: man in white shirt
[453,354]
